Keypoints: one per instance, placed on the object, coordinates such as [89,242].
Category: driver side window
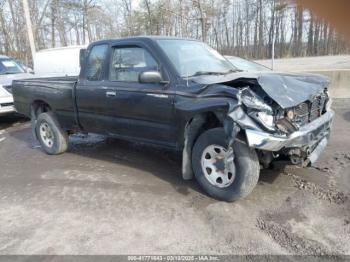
[128,62]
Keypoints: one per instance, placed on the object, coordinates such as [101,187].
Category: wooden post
[273,37]
[29,27]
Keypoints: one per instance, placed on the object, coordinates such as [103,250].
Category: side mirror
[150,77]
[82,54]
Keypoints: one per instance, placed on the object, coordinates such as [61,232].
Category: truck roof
[147,38]
[3,56]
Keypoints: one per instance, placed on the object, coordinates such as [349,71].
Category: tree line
[246,28]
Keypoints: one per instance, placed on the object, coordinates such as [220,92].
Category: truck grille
[308,111]
[301,114]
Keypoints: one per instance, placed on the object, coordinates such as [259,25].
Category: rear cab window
[95,62]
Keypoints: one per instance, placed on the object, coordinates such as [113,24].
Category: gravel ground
[106,196]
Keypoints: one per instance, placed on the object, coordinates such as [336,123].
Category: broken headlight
[251,100]
[259,110]
[267,119]
[264,118]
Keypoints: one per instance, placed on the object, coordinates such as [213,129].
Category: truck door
[138,110]
[111,100]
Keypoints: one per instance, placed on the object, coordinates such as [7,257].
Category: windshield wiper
[200,73]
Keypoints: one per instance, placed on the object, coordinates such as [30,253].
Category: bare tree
[243,27]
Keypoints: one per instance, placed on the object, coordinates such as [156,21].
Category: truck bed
[65,81]
[57,92]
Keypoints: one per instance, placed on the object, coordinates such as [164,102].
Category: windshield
[246,65]
[9,66]
[192,58]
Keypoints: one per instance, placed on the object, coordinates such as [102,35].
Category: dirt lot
[107,196]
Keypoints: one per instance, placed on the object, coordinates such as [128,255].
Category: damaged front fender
[233,121]
[192,129]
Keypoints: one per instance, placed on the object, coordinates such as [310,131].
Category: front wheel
[224,174]
[53,139]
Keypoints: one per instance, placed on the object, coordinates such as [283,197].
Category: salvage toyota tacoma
[182,94]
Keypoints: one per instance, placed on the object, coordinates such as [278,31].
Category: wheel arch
[194,127]
[39,106]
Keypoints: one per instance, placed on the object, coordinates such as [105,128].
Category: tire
[245,166]
[53,139]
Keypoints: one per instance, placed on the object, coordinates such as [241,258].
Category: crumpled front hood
[286,89]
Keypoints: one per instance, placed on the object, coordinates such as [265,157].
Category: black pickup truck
[182,94]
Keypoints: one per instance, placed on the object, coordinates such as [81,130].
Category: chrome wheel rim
[46,134]
[218,165]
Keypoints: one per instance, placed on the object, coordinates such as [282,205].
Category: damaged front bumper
[312,138]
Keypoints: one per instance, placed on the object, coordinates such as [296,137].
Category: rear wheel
[53,139]
[224,174]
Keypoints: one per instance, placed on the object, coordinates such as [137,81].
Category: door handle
[111,93]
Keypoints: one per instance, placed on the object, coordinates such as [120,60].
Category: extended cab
[184,95]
